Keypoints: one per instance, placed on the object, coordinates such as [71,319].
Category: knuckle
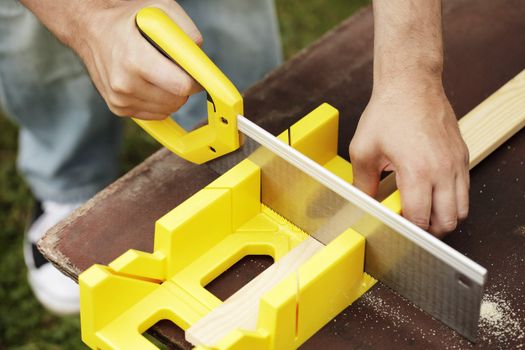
[462,158]
[419,169]
[183,87]
[445,165]
[465,156]
[420,221]
[116,101]
[120,85]
[357,150]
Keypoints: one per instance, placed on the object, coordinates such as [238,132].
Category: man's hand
[409,126]
[130,74]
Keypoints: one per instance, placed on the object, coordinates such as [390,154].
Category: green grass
[302,22]
[24,324]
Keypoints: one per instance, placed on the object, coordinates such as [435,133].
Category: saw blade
[415,264]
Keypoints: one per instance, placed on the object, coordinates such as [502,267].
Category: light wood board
[495,120]
[241,309]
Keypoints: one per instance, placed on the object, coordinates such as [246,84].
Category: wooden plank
[494,121]
[485,128]
[241,309]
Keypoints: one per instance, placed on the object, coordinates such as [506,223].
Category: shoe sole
[57,306]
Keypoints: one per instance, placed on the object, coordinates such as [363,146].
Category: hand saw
[415,264]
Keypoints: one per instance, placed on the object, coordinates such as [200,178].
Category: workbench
[484,48]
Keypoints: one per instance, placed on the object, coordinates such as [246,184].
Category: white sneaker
[56,292]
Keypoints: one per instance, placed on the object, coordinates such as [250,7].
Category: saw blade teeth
[285,222]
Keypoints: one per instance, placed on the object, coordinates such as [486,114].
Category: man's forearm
[409,125]
[133,77]
[62,17]
[408,39]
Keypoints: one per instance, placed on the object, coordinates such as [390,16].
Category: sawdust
[520,231]
[402,321]
[385,310]
[499,322]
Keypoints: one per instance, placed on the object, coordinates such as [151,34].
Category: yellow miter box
[204,236]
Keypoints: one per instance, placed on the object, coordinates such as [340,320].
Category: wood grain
[495,120]
[241,309]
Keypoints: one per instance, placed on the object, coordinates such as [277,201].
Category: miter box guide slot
[211,231]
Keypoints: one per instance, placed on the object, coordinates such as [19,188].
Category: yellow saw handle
[220,135]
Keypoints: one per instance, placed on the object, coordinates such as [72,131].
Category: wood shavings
[499,322]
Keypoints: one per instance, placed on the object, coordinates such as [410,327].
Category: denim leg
[69,140]
[241,37]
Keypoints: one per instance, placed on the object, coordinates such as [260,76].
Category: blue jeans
[69,140]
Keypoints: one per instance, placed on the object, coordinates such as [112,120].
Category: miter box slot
[203,237]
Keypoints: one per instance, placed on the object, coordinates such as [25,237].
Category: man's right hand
[131,75]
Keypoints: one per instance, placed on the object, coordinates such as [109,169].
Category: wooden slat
[495,120]
[241,309]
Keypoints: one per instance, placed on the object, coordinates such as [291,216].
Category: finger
[416,199]
[462,195]
[366,178]
[150,116]
[444,216]
[138,96]
[158,70]
[129,106]
[366,171]
[145,110]
[139,113]
[157,99]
